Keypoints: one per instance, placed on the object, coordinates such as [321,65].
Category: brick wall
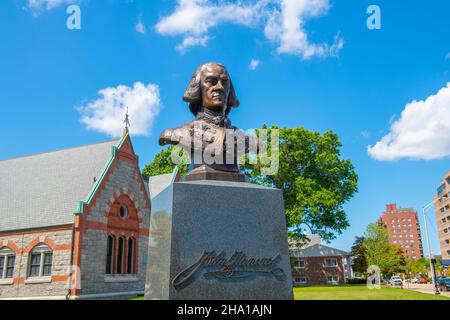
[316,272]
[22,244]
[402,225]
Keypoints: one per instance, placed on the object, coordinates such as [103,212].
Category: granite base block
[215,240]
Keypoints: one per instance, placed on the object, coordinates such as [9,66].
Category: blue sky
[356,82]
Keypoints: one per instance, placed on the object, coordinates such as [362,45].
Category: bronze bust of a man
[211,139]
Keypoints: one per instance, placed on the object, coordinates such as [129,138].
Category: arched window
[7,261]
[110,255]
[130,257]
[120,255]
[40,261]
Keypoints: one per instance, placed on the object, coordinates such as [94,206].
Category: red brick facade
[312,271]
[402,225]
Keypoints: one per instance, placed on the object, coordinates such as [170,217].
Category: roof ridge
[58,150]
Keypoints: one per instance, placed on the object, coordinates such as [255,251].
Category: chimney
[391,207]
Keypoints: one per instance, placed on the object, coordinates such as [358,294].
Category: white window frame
[7,253]
[331,266]
[332,281]
[41,249]
[299,260]
[300,282]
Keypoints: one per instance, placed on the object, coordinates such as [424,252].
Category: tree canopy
[358,254]
[315,179]
[379,252]
[162,164]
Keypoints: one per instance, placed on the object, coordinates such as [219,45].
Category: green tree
[358,256]
[163,164]
[412,267]
[423,266]
[315,179]
[379,251]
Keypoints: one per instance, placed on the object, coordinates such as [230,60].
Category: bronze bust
[211,139]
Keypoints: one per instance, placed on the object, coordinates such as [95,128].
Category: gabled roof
[44,190]
[317,250]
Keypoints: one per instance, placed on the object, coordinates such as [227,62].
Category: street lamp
[433,275]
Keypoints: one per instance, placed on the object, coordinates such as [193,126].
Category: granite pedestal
[215,240]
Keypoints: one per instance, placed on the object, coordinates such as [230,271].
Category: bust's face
[215,85]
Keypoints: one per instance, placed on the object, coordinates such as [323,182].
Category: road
[424,288]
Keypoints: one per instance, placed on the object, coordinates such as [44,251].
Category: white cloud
[286,28]
[283,22]
[37,6]
[254,64]
[107,113]
[422,132]
[140,26]
[192,41]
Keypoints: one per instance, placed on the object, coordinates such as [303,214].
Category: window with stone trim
[130,256]
[110,255]
[120,255]
[40,261]
[123,224]
[7,261]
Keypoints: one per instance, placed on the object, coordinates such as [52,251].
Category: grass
[357,292]
[360,292]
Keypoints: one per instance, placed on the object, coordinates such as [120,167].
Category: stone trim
[35,280]
[121,278]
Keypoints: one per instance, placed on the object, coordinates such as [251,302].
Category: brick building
[403,227]
[316,264]
[442,209]
[83,211]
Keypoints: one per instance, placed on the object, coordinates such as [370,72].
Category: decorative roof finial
[127,123]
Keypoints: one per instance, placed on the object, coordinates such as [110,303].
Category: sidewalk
[424,288]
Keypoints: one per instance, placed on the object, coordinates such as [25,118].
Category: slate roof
[158,184]
[317,250]
[44,190]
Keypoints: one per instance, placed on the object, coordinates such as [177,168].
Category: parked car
[423,280]
[415,280]
[444,284]
[396,282]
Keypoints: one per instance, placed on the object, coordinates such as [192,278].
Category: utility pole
[433,275]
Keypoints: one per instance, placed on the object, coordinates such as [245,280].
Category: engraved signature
[236,267]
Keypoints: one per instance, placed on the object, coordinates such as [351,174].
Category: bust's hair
[193,93]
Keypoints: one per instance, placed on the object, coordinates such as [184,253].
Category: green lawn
[357,292]
[360,292]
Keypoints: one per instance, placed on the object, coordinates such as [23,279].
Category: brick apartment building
[403,228]
[83,210]
[316,264]
[442,208]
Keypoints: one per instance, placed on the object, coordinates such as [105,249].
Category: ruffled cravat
[212,117]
